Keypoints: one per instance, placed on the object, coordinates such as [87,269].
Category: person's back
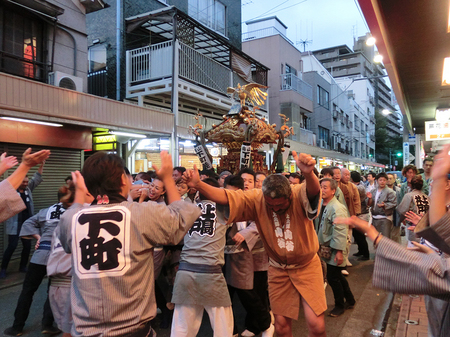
[112,245]
[204,243]
[199,283]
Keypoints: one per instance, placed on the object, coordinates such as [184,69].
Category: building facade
[180,56]
[319,110]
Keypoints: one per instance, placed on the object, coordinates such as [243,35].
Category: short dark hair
[417,182]
[382,175]
[428,159]
[248,171]
[209,173]
[102,173]
[235,181]
[210,181]
[356,176]
[180,169]
[372,174]
[333,183]
[327,171]
[260,172]
[296,175]
[147,176]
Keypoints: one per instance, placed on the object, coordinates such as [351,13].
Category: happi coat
[290,250]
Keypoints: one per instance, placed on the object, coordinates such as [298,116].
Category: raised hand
[191,177]
[304,162]
[31,159]
[165,172]
[7,162]
[441,166]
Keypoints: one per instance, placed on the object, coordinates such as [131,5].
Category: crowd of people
[116,246]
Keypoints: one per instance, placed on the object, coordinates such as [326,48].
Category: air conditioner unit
[323,144]
[63,80]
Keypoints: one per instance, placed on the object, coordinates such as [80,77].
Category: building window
[209,12]
[323,97]
[324,134]
[22,44]
[290,70]
[97,58]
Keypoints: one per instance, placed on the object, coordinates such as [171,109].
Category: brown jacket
[352,198]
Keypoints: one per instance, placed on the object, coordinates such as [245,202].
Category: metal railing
[154,62]
[292,82]
[203,70]
[149,62]
[20,66]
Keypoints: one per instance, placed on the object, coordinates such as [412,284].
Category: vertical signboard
[405,153]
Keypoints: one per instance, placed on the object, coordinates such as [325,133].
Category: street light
[378,58]
[386,112]
[370,41]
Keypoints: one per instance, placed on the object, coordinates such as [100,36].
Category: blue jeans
[13,241]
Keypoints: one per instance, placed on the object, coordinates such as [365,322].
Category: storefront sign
[246,149]
[437,130]
[202,155]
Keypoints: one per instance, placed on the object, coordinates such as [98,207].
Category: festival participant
[295,273]
[200,284]
[409,171]
[360,239]
[383,200]
[14,224]
[333,246]
[415,201]
[222,177]
[426,175]
[260,176]
[246,267]
[371,183]
[112,243]
[10,202]
[328,172]
[40,227]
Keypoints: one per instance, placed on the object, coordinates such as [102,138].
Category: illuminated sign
[436,130]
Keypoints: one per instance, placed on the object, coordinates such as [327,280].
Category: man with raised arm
[283,216]
[112,243]
[10,202]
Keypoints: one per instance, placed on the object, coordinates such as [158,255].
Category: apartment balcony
[294,89]
[197,66]
[304,136]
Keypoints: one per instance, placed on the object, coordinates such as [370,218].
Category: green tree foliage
[385,143]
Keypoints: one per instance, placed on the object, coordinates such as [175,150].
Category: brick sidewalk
[412,309]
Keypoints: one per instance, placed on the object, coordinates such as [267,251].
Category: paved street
[368,313]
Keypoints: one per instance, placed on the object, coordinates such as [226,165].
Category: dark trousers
[339,285]
[360,239]
[13,241]
[33,280]
[255,303]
